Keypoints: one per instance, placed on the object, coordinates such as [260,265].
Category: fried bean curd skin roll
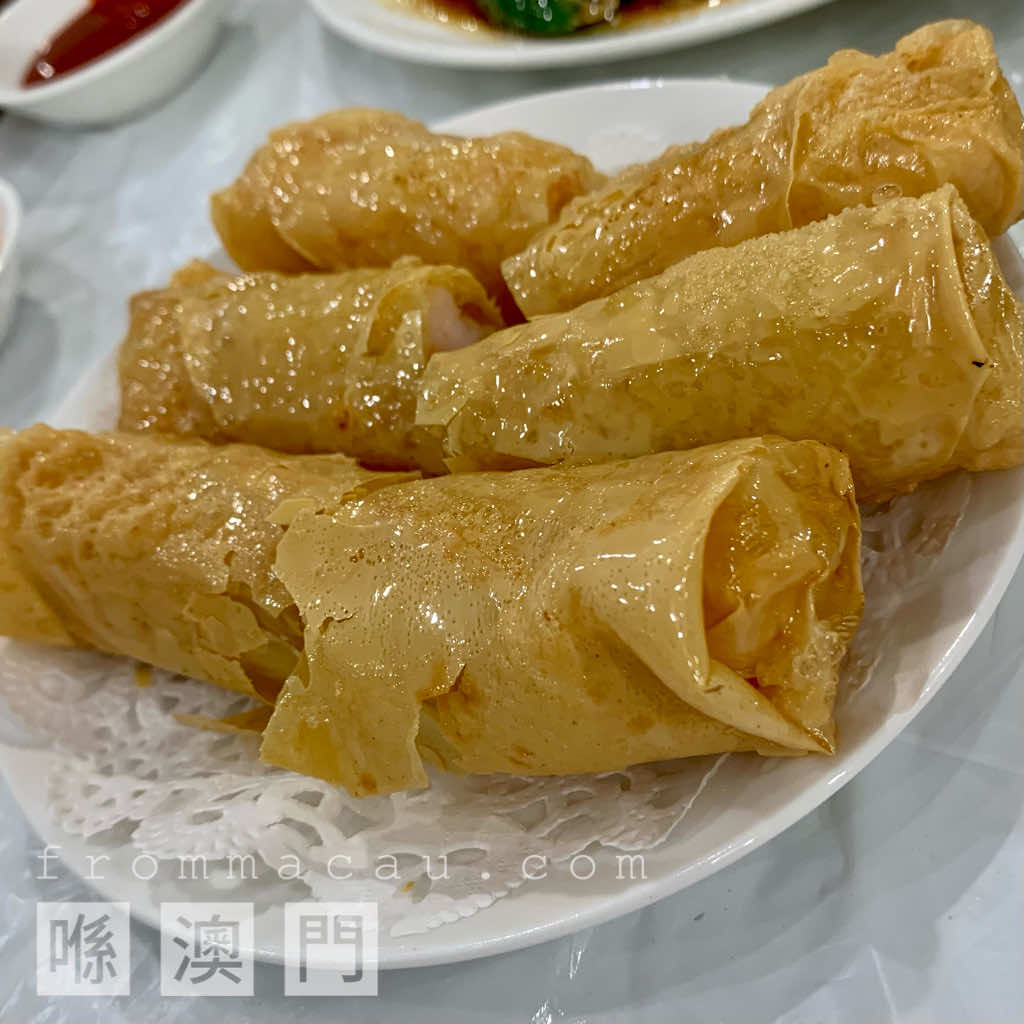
[362,187]
[888,332]
[305,363]
[571,619]
[159,549]
[936,110]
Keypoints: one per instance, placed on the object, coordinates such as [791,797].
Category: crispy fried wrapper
[305,363]
[158,549]
[25,613]
[572,619]
[936,110]
[362,187]
[889,332]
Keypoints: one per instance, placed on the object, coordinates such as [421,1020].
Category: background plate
[749,802]
[378,25]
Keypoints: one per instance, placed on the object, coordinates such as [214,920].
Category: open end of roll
[452,325]
[778,612]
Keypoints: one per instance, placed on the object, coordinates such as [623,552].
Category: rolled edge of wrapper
[798,718]
[960,40]
[243,222]
[986,105]
[998,317]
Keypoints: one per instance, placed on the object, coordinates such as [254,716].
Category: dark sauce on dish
[463,10]
[465,14]
[103,26]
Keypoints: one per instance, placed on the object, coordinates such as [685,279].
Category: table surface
[900,899]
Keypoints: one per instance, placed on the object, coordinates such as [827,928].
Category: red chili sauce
[102,27]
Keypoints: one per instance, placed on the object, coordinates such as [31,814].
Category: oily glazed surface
[363,187]
[565,620]
[935,110]
[298,363]
[888,332]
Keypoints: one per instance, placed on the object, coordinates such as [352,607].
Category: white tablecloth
[900,899]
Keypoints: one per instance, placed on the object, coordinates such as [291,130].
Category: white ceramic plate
[750,801]
[133,76]
[383,26]
[10,229]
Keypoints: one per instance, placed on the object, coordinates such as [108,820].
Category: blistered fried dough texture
[25,614]
[362,187]
[888,332]
[158,549]
[303,363]
[572,619]
[935,110]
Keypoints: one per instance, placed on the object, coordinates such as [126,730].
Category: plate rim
[639,894]
[686,30]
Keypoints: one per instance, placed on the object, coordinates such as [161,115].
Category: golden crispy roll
[362,187]
[159,549]
[572,619]
[307,363]
[888,332]
[550,621]
[935,110]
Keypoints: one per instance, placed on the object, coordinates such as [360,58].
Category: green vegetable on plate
[547,17]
